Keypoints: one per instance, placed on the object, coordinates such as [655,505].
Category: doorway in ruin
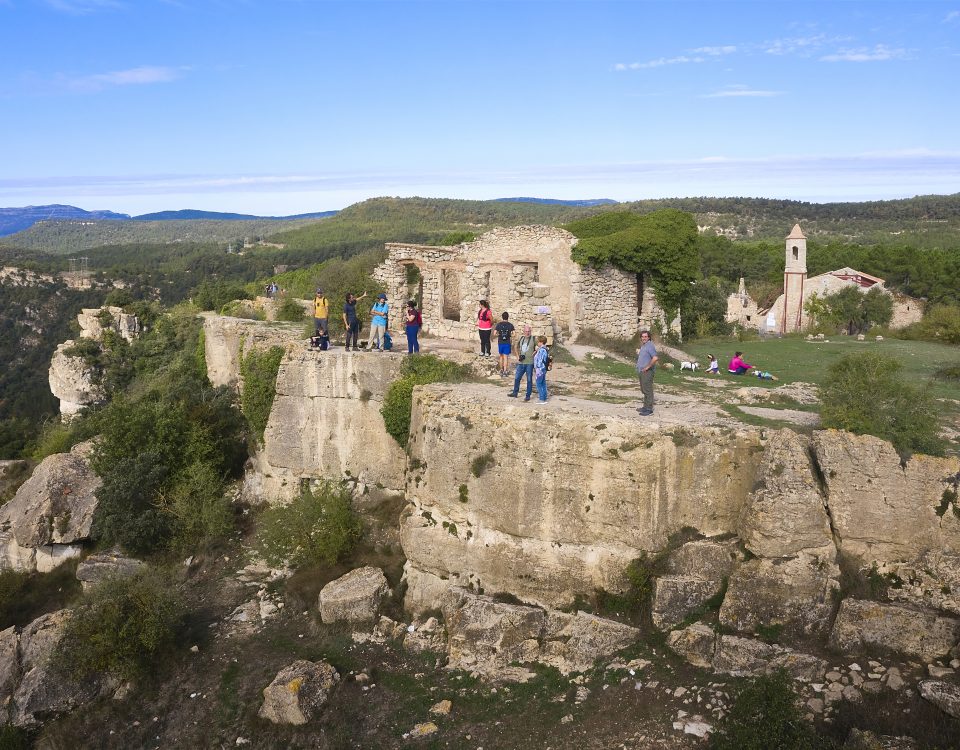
[414,279]
[639,297]
[450,279]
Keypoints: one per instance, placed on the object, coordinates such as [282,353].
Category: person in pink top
[484,326]
[737,365]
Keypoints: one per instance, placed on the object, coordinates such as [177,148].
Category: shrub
[482,462]
[25,596]
[865,393]
[124,626]
[418,369]
[290,311]
[319,527]
[941,323]
[200,512]
[259,370]
[213,295]
[766,714]
[15,738]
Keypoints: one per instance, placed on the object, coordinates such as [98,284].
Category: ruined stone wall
[605,301]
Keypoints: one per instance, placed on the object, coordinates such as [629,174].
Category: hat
[319,290]
[381,296]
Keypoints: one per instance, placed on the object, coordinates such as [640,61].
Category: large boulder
[866,625]
[696,643]
[9,664]
[944,695]
[705,559]
[96,568]
[794,594]
[885,509]
[676,597]
[45,689]
[51,514]
[786,513]
[490,638]
[696,573]
[354,597]
[72,381]
[299,692]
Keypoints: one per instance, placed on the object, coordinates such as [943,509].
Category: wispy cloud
[879,52]
[802,45]
[659,62]
[953,15]
[83,7]
[727,49]
[146,74]
[738,89]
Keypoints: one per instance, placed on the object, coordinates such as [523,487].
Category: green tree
[851,309]
[704,313]
[865,393]
[662,245]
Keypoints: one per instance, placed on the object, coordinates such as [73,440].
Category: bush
[290,311]
[766,715]
[200,512]
[213,295]
[15,738]
[124,626]
[26,596]
[319,527]
[259,370]
[704,312]
[417,369]
[866,394]
[941,323]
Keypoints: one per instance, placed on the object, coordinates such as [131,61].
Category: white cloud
[879,52]
[740,90]
[727,49]
[952,16]
[82,7]
[801,45]
[145,74]
[659,63]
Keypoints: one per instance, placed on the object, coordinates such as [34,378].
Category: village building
[526,271]
[788,314]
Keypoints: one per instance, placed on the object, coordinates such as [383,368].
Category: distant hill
[559,202]
[14,220]
[190,213]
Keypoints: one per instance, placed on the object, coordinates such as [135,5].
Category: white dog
[692,366]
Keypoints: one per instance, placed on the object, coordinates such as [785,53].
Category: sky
[277,107]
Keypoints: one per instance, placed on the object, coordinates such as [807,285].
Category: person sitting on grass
[737,365]
[713,367]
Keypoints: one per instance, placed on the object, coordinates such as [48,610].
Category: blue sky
[284,106]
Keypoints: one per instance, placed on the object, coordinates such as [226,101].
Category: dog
[692,366]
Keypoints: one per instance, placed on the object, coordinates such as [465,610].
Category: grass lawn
[793,358]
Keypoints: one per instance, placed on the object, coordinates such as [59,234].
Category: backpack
[549,360]
[387,341]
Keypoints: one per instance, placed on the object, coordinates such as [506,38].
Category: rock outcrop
[865,625]
[103,565]
[49,518]
[94,321]
[548,504]
[42,690]
[227,339]
[491,638]
[72,381]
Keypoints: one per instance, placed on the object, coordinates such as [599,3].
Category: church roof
[796,233]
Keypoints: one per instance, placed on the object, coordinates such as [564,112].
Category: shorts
[503,348]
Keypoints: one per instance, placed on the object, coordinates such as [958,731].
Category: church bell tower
[794,276]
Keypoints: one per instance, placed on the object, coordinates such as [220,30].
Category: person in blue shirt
[540,359]
[380,312]
[646,367]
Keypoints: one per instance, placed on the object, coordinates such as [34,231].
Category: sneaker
[644,412]
[511,395]
[527,398]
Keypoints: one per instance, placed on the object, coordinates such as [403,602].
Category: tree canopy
[662,245]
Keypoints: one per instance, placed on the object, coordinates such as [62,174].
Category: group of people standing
[533,355]
[380,339]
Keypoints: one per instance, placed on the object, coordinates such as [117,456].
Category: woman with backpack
[485,327]
[414,323]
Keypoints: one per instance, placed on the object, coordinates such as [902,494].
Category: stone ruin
[526,271]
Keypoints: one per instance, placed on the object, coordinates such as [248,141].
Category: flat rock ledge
[944,695]
[729,654]
[299,692]
[354,597]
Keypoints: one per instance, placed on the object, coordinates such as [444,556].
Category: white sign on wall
[543,310]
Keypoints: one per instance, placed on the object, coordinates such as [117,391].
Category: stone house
[526,271]
[787,314]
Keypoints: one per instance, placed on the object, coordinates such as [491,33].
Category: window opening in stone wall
[796,253]
[451,294]
[534,266]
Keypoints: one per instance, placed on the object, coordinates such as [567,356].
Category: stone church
[526,271]
[787,314]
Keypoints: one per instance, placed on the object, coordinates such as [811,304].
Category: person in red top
[484,326]
[737,366]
